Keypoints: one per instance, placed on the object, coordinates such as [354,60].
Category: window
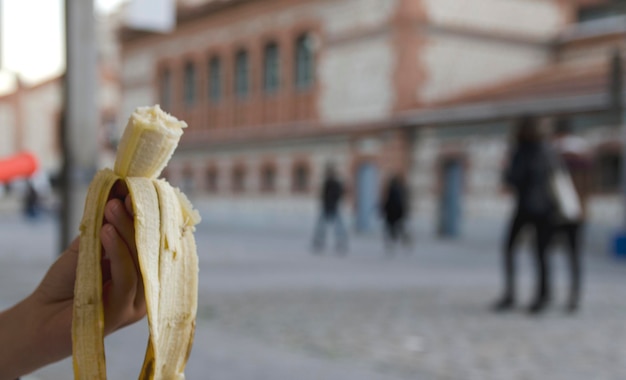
[211,180]
[301,178]
[187,185]
[215,79]
[608,171]
[271,68]
[239,179]
[241,74]
[190,84]
[304,61]
[268,178]
[166,89]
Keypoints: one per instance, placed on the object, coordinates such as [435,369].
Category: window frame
[304,62]
[165,88]
[241,80]
[271,68]
[215,87]
[190,88]
[238,179]
[268,187]
[211,180]
[295,184]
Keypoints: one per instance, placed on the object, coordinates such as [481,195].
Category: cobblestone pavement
[269,309]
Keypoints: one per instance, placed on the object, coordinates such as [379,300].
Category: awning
[20,165]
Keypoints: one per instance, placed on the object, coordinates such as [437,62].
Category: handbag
[565,195]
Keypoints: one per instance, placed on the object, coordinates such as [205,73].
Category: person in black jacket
[528,175]
[395,209]
[331,196]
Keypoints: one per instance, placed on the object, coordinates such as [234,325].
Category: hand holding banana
[164,223]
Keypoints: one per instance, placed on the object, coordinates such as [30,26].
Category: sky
[32,42]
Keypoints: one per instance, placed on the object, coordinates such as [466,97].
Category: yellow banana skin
[164,225]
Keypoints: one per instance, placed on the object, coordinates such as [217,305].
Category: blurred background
[277,91]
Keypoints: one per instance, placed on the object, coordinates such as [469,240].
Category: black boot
[503,304]
[537,306]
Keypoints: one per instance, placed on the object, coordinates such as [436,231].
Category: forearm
[26,343]
[16,344]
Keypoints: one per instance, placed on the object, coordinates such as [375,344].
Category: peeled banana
[164,225]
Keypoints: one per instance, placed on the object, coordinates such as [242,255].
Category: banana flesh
[164,226]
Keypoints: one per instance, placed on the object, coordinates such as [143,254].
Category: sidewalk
[269,309]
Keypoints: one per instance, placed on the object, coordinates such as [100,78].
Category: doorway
[451,197]
[366,196]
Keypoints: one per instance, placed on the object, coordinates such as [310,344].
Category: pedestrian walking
[574,154]
[528,175]
[395,210]
[330,198]
[31,201]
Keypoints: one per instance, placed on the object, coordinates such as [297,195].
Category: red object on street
[21,165]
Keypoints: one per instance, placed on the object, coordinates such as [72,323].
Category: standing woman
[575,155]
[528,175]
[395,209]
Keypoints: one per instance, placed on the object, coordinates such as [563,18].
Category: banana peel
[164,235]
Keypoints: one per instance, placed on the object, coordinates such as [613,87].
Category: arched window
[268,178]
[165,89]
[242,85]
[215,79]
[190,84]
[304,68]
[239,179]
[301,178]
[211,180]
[271,68]
[187,185]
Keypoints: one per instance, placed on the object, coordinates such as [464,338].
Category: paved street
[269,309]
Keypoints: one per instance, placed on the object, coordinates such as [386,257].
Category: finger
[128,202]
[119,190]
[115,213]
[140,299]
[120,292]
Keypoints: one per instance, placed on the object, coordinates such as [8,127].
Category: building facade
[274,90]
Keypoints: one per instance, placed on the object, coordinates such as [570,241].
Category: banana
[164,225]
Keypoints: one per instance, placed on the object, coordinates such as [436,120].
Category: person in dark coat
[574,154]
[395,209]
[331,196]
[31,201]
[528,175]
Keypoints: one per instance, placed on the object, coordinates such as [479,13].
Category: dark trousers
[396,230]
[572,233]
[543,234]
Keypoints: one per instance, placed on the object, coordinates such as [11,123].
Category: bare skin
[37,331]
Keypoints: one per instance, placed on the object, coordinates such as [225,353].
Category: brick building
[273,90]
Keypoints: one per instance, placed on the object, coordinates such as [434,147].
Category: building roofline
[184,14]
[496,110]
[590,30]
